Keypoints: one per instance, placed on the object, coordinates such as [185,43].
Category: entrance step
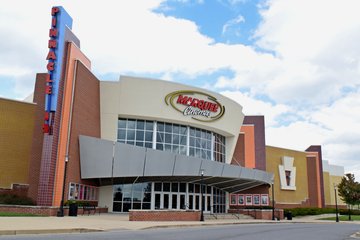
[226,216]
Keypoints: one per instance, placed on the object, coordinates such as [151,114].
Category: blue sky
[295,62]
[224,21]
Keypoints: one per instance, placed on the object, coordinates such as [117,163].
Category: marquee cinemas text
[201,106]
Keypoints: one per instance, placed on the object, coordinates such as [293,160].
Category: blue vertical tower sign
[59,22]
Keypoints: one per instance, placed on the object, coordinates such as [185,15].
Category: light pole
[273,201]
[336,206]
[60,213]
[201,196]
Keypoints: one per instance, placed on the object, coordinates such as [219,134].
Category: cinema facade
[146,144]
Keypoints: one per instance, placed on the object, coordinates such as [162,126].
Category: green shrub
[346,212]
[308,211]
[81,203]
[11,199]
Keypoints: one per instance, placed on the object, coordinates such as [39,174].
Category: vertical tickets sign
[60,20]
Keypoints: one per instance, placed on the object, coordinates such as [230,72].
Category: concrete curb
[48,231]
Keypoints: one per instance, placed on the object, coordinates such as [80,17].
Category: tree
[349,190]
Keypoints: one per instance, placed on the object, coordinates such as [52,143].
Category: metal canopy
[115,163]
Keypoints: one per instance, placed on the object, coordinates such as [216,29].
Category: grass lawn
[343,218]
[11,214]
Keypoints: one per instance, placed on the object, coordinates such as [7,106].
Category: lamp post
[60,213]
[273,201]
[336,206]
[201,196]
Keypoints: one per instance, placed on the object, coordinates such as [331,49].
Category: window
[131,196]
[248,200]
[200,143]
[233,200]
[173,138]
[219,148]
[288,177]
[82,192]
[135,132]
[264,199]
[241,199]
[256,199]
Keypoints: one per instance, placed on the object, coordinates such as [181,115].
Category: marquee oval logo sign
[200,106]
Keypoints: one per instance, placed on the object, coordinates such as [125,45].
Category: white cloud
[232,22]
[252,106]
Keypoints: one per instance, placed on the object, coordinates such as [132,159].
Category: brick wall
[148,215]
[265,214]
[17,189]
[43,210]
[38,136]
[85,121]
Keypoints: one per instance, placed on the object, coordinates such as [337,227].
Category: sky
[295,62]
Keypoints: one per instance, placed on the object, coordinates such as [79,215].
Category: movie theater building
[139,143]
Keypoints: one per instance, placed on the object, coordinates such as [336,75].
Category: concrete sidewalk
[108,222]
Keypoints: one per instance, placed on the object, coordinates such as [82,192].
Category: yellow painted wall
[334,181]
[273,160]
[16,129]
[327,190]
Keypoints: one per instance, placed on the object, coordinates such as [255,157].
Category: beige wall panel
[106,197]
[145,99]
[327,188]
[273,160]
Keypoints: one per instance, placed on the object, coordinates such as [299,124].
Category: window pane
[159,146]
[148,136]
[176,128]
[168,127]
[175,139]
[158,187]
[160,126]
[122,123]
[198,133]
[148,144]
[149,125]
[174,187]
[182,187]
[130,135]
[192,141]
[183,150]
[191,188]
[160,137]
[192,152]
[131,124]
[175,149]
[140,135]
[167,138]
[183,130]
[140,124]
[168,147]
[183,140]
[121,134]
[166,187]
[140,144]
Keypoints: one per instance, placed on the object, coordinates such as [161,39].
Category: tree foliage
[349,189]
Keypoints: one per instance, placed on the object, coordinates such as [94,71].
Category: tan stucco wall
[144,99]
[334,181]
[16,129]
[327,190]
[273,160]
